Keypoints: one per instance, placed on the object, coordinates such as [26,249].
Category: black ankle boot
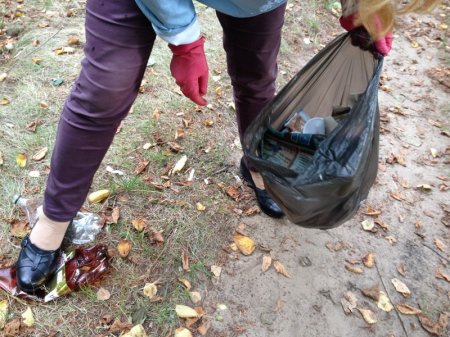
[35,266]
[265,202]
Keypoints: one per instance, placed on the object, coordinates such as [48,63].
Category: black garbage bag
[319,181]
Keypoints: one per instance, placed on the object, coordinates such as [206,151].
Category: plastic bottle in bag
[83,228]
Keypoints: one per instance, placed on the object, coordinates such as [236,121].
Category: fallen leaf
[195,297]
[440,245]
[384,303]
[115,215]
[406,309]
[435,328]
[280,268]
[184,311]
[373,293]
[179,165]
[182,332]
[124,247]
[64,50]
[208,122]
[179,133]
[441,275]
[3,76]
[401,287]
[1,159]
[73,40]
[185,260]
[216,270]
[155,236]
[424,187]
[19,229]
[21,160]
[266,263]
[397,196]
[186,283]
[103,294]
[28,318]
[12,328]
[32,126]
[4,101]
[141,167]
[392,240]
[175,147]
[349,302]
[368,316]
[36,60]
[43,105]
[40,154]
[139,224]
[150,290]
[200,207]
[401,269]
[4,309]
[245,245]
[369,260]
[368,225]
[136,331]
[203,328]
[353,269]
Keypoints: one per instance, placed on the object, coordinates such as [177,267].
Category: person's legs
[119,40]
[252,46]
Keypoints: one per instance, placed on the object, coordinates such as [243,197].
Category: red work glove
[190,70]
[361,38]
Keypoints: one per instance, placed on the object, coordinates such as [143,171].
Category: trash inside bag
[316,142]
[76,268]
[83,228]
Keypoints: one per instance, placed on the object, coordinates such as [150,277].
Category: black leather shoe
[34,266]
[265,202]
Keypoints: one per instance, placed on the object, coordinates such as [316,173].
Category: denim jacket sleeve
[174,21]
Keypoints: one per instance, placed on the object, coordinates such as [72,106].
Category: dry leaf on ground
[216,270]
[435,328]
[384,303]
[28,318]
[150,290]
[195,297]
[368,316]
[439,274]
[21,160]
[369,260]
[40,154]
[182,332]
[184,311]
[200,207]
[401,287]
[266,263]
[203,328]
[353,269]
[186,283]
[368,225]
[185,260]
[349,302]
[124,248]
[245,245]
[103,294]
[280,268]
[136,331]
[139,224]
[373,293]
[4,309]
[407,309]
[440,245]
[155,236]
[179,165]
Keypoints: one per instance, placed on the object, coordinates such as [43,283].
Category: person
[119,39]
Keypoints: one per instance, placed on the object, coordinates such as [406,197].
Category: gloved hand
[360,37]
[190,70]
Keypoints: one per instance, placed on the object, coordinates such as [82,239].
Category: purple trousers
[119,40]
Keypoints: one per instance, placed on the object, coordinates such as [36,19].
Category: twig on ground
[16,57]
[387,294]
[436,252]
[223,169]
